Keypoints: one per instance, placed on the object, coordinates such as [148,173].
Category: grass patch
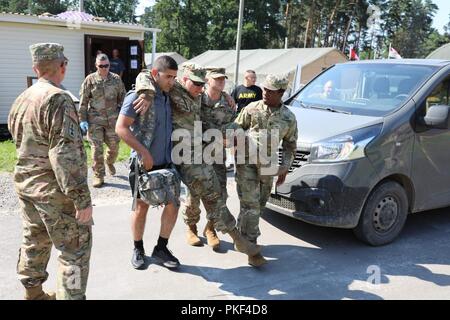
[8,158]
[124,152]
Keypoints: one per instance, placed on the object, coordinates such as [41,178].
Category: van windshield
[363,89]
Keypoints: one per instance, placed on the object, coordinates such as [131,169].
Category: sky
[440,19]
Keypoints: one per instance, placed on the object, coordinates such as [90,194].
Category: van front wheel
[384,214]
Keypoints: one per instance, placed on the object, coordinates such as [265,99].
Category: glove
[84,126]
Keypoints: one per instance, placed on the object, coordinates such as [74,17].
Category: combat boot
[243,245]
[256,260]
[192,237]
[211,236]
[98,182]
[111,169]
[36,293]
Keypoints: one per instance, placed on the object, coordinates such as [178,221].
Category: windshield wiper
[311,106]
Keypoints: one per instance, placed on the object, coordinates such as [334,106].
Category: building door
[130,52]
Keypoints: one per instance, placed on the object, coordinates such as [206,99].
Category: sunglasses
[101,66]
[198,84]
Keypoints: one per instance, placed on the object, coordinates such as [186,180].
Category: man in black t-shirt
[248,92]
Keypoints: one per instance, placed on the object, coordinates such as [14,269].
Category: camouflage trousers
[97,135]
[253,190]
[203,183]
[191,210]
[54,223]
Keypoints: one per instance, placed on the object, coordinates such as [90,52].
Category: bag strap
[136,182]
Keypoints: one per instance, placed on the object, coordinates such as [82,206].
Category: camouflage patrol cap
[276,82]
[194,72]
[46,52]
[214,72]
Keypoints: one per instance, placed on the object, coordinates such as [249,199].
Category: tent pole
[238,41]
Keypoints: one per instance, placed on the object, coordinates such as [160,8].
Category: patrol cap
[194,72]
[276,82]
[215,72]
[47,52]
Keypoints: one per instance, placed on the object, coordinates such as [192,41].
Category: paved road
[306,262]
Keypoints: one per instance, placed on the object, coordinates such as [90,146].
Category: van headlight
[348,146]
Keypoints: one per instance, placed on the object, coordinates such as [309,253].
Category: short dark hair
[250,71]
[163,63]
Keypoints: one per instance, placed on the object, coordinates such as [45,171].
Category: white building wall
[15,59]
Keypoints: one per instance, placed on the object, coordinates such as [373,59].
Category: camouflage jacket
[257,116]
[51,163]
[100,99]
[216,114]
[185,110]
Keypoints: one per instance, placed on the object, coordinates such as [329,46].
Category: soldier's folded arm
[121,95]
[289,146]
[66,151]
[85,94]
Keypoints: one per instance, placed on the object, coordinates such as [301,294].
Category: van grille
[282,202]
[301,157]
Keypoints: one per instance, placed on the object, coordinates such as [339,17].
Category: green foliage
[113,10]
[36,6]
[8,158]
[191,27]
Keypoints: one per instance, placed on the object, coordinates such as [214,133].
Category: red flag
[353,55]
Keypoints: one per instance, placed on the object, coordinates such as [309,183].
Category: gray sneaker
[165,257]
[138,259]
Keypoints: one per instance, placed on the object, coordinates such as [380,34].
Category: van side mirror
[437,117]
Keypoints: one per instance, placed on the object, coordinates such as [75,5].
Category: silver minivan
[373,146]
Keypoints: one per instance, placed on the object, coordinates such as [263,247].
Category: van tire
[384,214]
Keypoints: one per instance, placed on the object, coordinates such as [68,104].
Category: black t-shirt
[244,95]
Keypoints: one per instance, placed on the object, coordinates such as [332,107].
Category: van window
[440,95]
[373,89]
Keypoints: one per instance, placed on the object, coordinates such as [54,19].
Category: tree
[36,6]
[113,10]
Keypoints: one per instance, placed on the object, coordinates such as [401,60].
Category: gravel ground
[115,190]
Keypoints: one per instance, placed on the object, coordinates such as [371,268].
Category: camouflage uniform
[199,177]
[51,182]
[214,115]
[254,187]
[100,102]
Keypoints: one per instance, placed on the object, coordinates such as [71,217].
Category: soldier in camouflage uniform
[199,177]
[215,113]
[101,97]
[51,180]
[253,185]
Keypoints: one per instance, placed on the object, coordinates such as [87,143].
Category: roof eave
[97,24]
[43,20]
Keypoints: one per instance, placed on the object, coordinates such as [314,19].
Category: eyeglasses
[198,84]
[101,66]
[64,63]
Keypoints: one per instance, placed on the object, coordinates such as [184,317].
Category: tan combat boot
[36,293]
[98,182]
[243,245]
[211,236]
[256,260]
[192,237]
[111,169]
